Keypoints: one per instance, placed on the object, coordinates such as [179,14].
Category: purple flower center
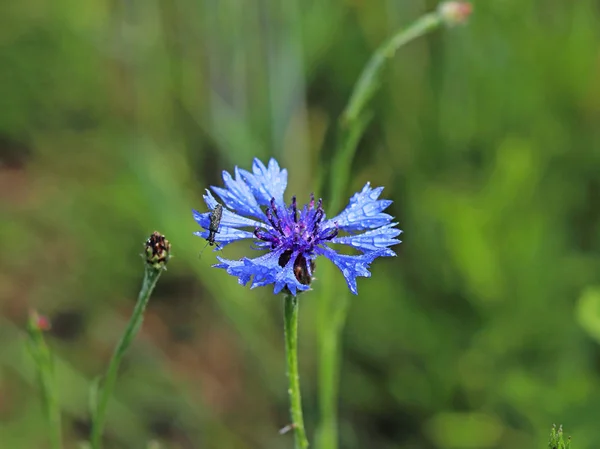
[296,231]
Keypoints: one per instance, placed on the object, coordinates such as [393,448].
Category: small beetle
[213,227]
[215,221]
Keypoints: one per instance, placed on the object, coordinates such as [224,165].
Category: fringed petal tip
[354,266]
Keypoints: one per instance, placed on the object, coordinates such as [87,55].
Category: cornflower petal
[238,196]
[228,219]
[202,218]
[266,183]
[235,268]
[373,240]
[227,235]
[364,211]
[263,270]
[353,266]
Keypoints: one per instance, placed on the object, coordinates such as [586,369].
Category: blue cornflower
[292,236]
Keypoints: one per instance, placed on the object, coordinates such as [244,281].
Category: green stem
[334,303]
[335,312]
[45,372]
[151,276]
[291,349]
[368,81]
[54,418]
[355,119]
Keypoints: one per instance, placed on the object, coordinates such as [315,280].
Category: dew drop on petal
[370,209]
[352,216]
[380,241]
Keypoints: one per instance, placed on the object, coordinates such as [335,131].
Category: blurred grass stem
[44,364]
[369,78]
[151,275]
[291,349]
[334,302]
[355,118]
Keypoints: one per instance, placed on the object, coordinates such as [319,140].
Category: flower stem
[334,304]
[291,349]
[44,363]
[151,275]
[333,314]
[355,117]
[368,81]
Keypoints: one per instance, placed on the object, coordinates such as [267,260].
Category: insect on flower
[215,217]
[293,236]
[215,221]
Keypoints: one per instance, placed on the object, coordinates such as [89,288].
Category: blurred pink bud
[43,323]
[40,322]
[455,13]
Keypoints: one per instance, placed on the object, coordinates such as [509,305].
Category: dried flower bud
[455,13]
[157,251]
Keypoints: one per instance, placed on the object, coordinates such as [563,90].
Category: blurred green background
[483,332]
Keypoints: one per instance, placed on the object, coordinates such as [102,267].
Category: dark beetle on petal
[213,227]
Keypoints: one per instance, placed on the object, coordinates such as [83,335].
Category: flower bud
[39,322]
[455,13]
[157,251]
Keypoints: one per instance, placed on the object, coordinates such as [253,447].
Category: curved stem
[291,349]
[333,303]
[369,78]
[151,276]
[355,118]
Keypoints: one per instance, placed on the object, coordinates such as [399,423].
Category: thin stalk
[334,302]
[151,275]
[291,350]
[368,81]
[44,363]
[53,412]
[355,117]
[329,364]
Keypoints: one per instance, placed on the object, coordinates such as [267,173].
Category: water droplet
[352,216]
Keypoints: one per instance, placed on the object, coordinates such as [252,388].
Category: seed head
[157,251]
